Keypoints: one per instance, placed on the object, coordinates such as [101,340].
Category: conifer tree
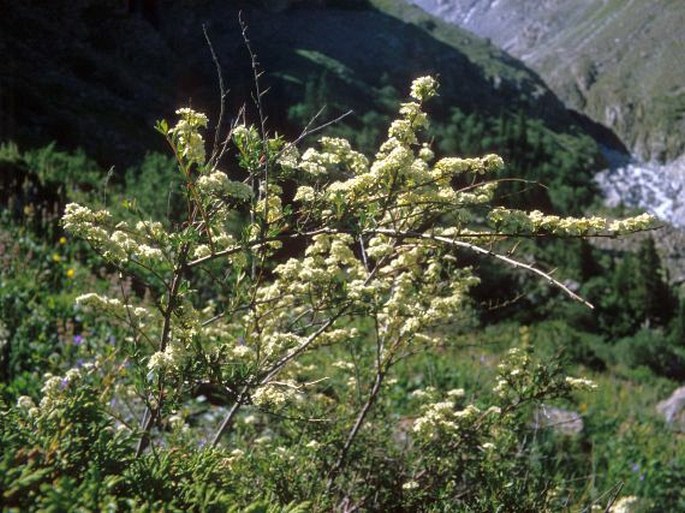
[652,294]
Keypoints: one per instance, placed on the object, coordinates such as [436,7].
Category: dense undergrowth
[471,415]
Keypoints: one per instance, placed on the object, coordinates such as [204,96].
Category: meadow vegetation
[295,326]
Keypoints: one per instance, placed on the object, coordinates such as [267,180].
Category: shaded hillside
[622,63]
[98,74]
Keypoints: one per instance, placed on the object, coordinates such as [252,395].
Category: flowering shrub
[379,278]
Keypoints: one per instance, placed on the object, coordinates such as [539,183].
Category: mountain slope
[620,62]
[97,74]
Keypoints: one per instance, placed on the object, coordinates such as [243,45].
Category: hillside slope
[97,74]
[620,62]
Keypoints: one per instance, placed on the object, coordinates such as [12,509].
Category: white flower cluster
[245,136]
[289,157]
[271,208]
[344,155]
[410,485]
[448,167]
[400,183]
[443,418]
[273,395]
[171,358]
[520,222]
[513,372]
[217,184]
[305,194]
[54,388]
[424,88]
[521,378]
[114,307]
[101,303]
[86,223]
[580,383]
[26,404]
[335,156]
[186,135]
[632,224]
[118,243]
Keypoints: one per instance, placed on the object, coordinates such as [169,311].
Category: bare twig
[152,411]
[228,420]
[216,147]
[361,417]
[478,249]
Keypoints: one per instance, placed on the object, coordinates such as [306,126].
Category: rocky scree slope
[622,62]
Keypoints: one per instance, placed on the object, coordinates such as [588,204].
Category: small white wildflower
[421,393]
[313,444]
[493,410]
[202,251]
[190,143]
[631,224]
[410,485]
[580,383]
[344,365]
[148,253]
[72,375]
[212,184]
[25,403]
[250,420]
[241,351]
[501,387]
[157,361]
[626,504]
[455,393]
[305,194]
[176,421]
[426,154]
[193,118]
[423,88]
[272,395]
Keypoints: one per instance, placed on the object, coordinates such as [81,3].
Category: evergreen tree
[678,325]
[653,296]
[589,267]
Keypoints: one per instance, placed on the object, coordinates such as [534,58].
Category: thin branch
[477,249]
[278,366]
[228,420]
[222,104]
[361,417]
[257,98]
[307,131]
[152,413]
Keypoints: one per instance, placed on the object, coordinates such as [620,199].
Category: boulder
[673,409]
[562,421]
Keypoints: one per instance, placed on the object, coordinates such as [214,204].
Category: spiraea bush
[264,330]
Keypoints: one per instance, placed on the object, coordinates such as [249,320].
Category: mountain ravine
[620,63]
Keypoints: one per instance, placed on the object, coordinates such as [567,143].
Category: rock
[673,409]
[655,187]
[563,421]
